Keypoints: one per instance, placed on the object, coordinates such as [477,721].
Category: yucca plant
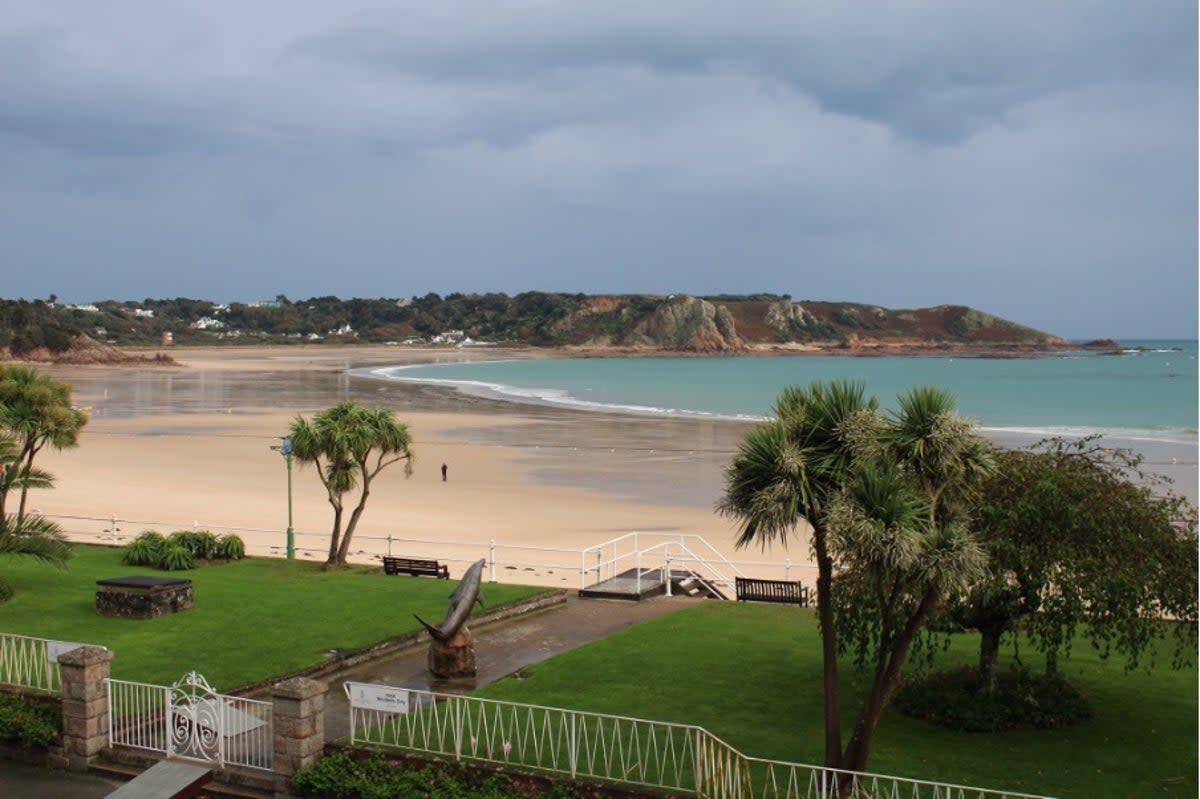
[231,547]
[201,543]
[145,550]
[176,558]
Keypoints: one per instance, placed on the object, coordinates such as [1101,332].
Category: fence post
[492,560]
[667,575]
[112,528]
[85,711]
[573,750]
[298,718]
[389,547]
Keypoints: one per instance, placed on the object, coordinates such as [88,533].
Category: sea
[1147,392]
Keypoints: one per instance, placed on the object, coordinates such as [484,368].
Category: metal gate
[191,720]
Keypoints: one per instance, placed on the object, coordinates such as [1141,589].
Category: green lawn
[253,619]
[751,674]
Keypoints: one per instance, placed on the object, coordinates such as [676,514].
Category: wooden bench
[786,591]
[416,567]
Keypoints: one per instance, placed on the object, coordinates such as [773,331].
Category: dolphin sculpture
[461,601]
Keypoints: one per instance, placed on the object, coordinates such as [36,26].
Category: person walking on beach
[444,472]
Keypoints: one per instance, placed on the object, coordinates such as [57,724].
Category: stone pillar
[84,704]
[299,719]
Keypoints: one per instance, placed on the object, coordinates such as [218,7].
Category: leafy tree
[884,502]
[35,410]
[1079,540]
[35,536]
[350,445]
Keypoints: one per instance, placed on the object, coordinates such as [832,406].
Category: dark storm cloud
[1036,160]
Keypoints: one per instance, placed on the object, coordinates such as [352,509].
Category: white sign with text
[377,697]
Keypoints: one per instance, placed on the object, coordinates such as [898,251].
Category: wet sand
[171,448]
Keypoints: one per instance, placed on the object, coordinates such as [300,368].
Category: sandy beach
[173,448]
[180,447]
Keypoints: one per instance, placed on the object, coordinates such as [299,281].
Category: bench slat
[784,591]
[416,567]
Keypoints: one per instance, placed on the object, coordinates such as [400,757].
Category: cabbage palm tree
[35,536]
[35,410]
[782,480]
[350,445]
[884,499]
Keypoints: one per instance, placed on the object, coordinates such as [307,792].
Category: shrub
[231,547]
[145,550]
[176,558]
[343,775]
[6,590]
[1021,699]
[201,543]
[28,723]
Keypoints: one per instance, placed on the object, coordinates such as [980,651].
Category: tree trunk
[989,653]
[25,485]
[335,536]
[833,711]
[1052,662]
[344,550]
[859,748]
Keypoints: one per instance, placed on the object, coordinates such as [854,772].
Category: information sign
[377,697]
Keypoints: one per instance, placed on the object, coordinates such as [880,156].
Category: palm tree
[350,445]
[885,501]
[36,410]
[783,478]
[35,536]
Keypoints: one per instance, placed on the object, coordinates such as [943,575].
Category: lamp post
[285,449]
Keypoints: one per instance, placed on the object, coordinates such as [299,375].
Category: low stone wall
[142,597]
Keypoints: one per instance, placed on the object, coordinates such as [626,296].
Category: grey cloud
[1037,162]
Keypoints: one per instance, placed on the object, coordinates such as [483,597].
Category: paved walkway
[502,649]
[18,781]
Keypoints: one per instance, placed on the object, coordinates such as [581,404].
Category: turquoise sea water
[1148,392]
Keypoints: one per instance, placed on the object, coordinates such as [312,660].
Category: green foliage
[231,547]
[1082,541]
[174,557]
[952,699]
[28,722]
[886,499]
[33,536]
[347,775]
[201,543]
[145,550]
[181,550]
[350,445]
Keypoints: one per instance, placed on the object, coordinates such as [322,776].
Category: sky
[1034,160]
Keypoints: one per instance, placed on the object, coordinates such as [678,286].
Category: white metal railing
[191,720]
[662,755]
[594,563]
[32,663]
[644,553]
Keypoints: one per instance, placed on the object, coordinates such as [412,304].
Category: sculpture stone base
[453,658]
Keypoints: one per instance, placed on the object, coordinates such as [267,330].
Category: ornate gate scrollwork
[195,722]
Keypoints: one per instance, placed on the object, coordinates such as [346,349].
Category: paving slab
[502,649]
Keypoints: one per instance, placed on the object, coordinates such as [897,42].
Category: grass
[253,619]
[751,674]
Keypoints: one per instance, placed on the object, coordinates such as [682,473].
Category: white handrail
[675,757]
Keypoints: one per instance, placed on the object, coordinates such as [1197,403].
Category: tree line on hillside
[534,317]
